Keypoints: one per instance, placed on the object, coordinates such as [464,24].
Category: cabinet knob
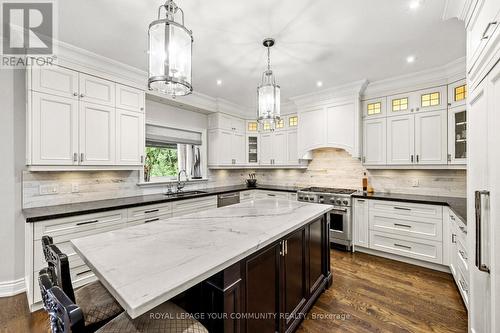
[142,109]
[82,95]
[75,94]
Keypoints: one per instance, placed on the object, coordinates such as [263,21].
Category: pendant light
[268,94]
[170,50]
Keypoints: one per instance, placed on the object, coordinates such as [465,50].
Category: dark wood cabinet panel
[262,289]
[294,288]
[316,253]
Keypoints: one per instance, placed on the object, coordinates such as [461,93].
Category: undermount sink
[184,193]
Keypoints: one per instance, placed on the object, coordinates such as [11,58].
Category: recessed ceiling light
[414,4]
[410,59]
[219,82]
[319,84]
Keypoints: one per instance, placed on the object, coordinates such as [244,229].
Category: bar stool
[67,317]
[97,304]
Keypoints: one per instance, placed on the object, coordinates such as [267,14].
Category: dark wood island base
[271,290]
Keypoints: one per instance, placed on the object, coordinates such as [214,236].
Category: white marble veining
[145,265]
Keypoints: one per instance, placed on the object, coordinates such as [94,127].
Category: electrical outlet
[48,189]
[415,182]
[75,188]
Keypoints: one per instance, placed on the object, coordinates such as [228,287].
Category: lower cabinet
[361,236]
[278,284]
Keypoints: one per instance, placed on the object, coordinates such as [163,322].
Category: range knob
[321,200]
[345,202]
[338,202]
[332,200]
[311,198]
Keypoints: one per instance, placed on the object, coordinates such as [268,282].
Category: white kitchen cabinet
[266,149]
[226,147]
[431,99]
[54,80]
[312,129]
[96,134]
[252,148]
[96,90]
[274,149]
[53,130]
[431,137]
[292,151]
[129,137]
[401,104]
[129,98]
[457,93]
[482,31]
[340,126]
[375,141]
[361,236]
[401,140]
[238,148]
[188,206]
[226,122]
[457,135]
[374,108]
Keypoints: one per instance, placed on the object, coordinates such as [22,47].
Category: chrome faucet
[180,185]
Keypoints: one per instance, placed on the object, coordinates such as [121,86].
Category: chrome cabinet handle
[402,225]
[152,220]
[286,247]
[453,238]
[142,158]
[403,246]
[151,211]
[88,222]
[463,229]
[82,157]
[462,254]
[490,24]
[463,286]
[402,208]
[452,217]
[418,159]
[84,272]
[479,219]
[75,157]
[411,158]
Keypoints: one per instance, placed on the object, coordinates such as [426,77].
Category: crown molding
[437,76]
[456,9]
[340,92]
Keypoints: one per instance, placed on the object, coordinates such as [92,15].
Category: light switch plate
[49,189]
[415,182]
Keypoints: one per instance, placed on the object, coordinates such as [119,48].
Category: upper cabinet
[374,108]
[431,99]
[226,122]
[457,93]
[74,120]
[374,141]
[483,37]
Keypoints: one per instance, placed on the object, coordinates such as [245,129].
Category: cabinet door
[374,108]
[316,254]
[432,99]
[294,271]
[266,148]
[262,289]
[97,134]
[361,223]
[55,80]
[129,98]
[400,104]
[238,148]
[238,125]
[97,90]
[311,128]
[280,149]
[292,152]
[457,135]
[457,93]
[375,141]
[400,140]
[252,149]
[431,142]
[54,130]
[129,138]
[453,248]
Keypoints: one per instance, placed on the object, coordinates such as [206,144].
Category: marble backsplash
[329,167]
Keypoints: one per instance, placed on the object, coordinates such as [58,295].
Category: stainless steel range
[340,215]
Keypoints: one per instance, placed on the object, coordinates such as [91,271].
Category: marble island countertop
[144,266]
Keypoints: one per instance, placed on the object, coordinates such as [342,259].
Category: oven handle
[339,210]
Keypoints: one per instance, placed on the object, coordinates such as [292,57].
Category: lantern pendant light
[268,95]
[170,50]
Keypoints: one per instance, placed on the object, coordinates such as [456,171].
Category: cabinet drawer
[150,211]
[412,226]
[462,259]
[463,285]
[408,209]
[149,219]
[78,226]
[184,207]
[407,246]
[271,194]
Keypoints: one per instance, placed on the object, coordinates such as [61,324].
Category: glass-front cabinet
[374,108]
[252,149]
[457,132]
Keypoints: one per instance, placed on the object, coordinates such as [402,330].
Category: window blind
[162,136]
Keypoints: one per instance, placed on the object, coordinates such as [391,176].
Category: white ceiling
[335,41]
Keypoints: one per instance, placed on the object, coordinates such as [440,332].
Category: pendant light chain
[268,58]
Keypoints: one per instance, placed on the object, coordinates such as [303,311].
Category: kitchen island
[267,257]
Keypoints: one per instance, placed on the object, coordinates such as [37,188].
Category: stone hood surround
[145,265]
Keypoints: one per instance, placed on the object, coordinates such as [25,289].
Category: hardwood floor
[373,294]
[369,294]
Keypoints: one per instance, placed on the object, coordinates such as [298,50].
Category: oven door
[340,225]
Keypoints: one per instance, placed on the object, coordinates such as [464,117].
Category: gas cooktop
[328,190]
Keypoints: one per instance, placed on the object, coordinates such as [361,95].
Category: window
[374,108]
[280,124]
[170,150]
[460,93]
[400,104]
[252,127]
[293,121]
[431,99]
[267,127]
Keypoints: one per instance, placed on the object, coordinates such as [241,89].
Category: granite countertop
[58,211]
[145,265]
[457,205]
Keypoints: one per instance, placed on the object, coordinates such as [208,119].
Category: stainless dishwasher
[228,199]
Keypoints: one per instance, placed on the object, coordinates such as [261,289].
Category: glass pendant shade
[170,49]
[268,95]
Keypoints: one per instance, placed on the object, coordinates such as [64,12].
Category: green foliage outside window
[161,162]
